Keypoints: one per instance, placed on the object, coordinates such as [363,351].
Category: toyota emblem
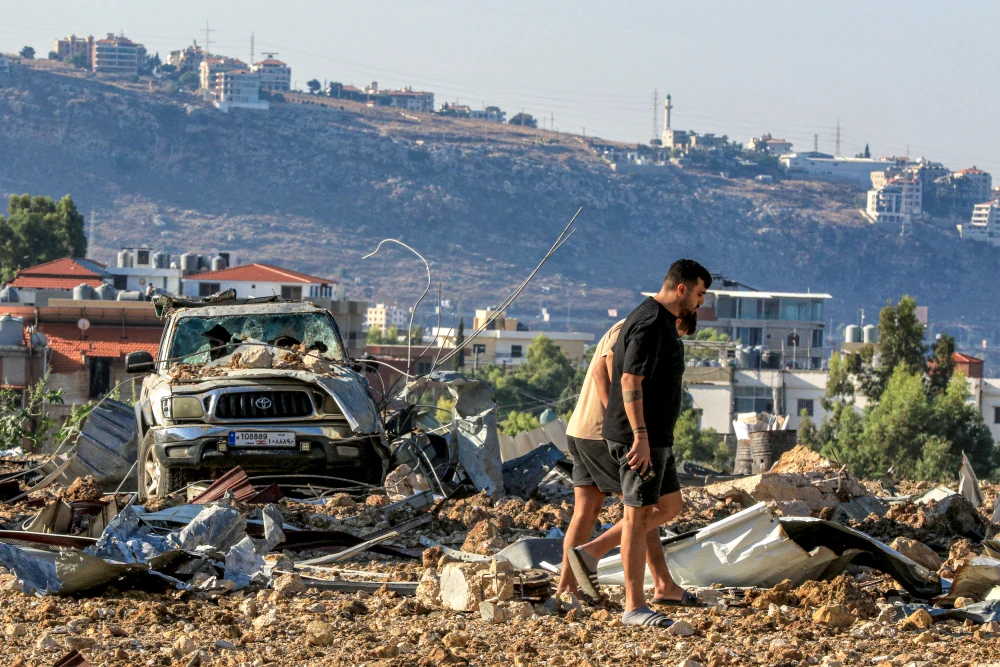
[263,403]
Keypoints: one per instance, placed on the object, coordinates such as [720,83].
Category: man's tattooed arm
[632,396]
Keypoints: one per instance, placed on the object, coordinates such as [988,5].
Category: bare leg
[664,586]
[635,525]
[587,504]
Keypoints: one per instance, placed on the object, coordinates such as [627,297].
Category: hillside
[317,187]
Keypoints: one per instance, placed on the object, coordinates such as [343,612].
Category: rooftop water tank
[770,360]
[105,292]
[124,259]
[11,330]
[9,295]
[852,334]
[38,339]
[870,333]
[189,262]
[129,296]
[160,260]
[204,263]
[83,291]
[218,263]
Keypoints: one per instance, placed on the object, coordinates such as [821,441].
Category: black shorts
[593,465]
[635,491]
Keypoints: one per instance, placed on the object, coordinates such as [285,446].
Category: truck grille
[263,405]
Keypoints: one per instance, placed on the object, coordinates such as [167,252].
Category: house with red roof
[35,285]
[259,280]
[969,366]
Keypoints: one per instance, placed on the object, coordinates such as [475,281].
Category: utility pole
[836,150]
[552,120]
[251,49]
[815,143]
[208,43]
[656,106]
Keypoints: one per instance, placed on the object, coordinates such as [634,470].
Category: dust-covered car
[263,384]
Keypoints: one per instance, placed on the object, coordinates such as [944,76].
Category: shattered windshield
[198,340]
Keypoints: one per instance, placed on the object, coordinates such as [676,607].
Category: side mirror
[139,362]
[365,364]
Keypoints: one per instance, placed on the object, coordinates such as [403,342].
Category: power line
[208,46]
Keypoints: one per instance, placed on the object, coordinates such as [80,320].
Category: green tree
[540,382]
[941,365]
[38,230]
[868,153]
[28,52]
[525,119]
[901,343]
[314,85]
[189,81]
[515,422]
[53,55]
[80,60]
[459,339]
[692,443]
[374,336]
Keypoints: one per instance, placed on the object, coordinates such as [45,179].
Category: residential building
[275,76]
[394,362]
[73,45]
[775,329]
[505,341]
[259,280]
[854,170]
[238,89]
[897,201]
[22,353]
[350,316]
[768,144]
[211,66]
[382,316]
[962,190]
[411,100]
[985,224]
[118,55]
[188,59]
[36,285]
[928,172]
[970,367]
[491,114]
[137,269]
[685,140]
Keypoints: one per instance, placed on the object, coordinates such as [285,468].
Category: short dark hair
[687,271]
[690,322]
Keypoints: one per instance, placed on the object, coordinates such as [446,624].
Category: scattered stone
[319,634]
[681,628]
[834,616]
[266,620]
[491,612]
[387,651]
[185,644]
[461,586]
[377,501]
[248,607]
[83,488]
[925,638]
[46,642]
[918,552]
[289,584]
[78,642]
[919,619]
[15,630]
[456,639]
[439,655]
[257,356]
[484,539]
[224,644]
[342,500]
[431,556]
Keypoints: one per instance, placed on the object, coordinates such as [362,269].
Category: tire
[155,480]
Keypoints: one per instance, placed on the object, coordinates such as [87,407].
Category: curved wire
[413,311]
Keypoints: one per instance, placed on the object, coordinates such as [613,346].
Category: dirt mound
[800,459]
[82,488]
[842,590]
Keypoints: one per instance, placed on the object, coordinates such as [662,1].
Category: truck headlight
[182,407]
[325,404]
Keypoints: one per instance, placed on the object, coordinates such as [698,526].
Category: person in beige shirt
[591,482]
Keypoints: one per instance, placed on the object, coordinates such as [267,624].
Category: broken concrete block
[185,644]
[793,508]
[570,602]
[492,612]
[962,602]
[834,616]
[681,628]
[918,552]
[497,586]
[266,620]
[256,356]
[403,482]
[319,634]
[484,539]
[919,619]
[519,609]
[429,590]
[289,584]
[461,586]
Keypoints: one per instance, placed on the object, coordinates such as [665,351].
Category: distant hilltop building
[768,144]
[72,45]
[855,170]
[684,140]
[492,114]
[211,66]
[231,84]
[118,55]
[275,75]
[188,59]
[985,224]
[896,200]
[405,98]
[960,191]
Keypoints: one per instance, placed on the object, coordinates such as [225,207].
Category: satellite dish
[83,324]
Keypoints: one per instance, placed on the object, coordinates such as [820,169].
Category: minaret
[667,106]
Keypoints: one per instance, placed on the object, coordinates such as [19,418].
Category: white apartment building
[854,170]
[491,114]
[259,280]
[118,55]
[210,68]
[275,75]
[985,224]
[897,201]
[186,59]
[411,100]
[769,144]
[139,268]
[238,89]
[383,317]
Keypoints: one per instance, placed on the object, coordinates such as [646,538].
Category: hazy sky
[918,74]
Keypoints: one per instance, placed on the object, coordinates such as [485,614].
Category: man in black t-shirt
[643,405]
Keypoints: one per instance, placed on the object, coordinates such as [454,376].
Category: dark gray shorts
[593,465]
[635,491]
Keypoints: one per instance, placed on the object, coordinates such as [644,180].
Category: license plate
[261,439]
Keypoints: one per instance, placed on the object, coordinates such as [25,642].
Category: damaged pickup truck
[259,383]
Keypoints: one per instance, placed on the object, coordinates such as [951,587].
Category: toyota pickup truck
[263,384]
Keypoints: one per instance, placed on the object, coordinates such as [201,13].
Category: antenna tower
[251,49]
[208,43]
[656,98]
[836,150]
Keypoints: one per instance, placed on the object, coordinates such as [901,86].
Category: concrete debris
[968,484]
[917,552]
[521,476]
[403,482]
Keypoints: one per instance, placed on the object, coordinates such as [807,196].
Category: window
[121,282]
[290,292]
[479,348]
[753,399]
[142,258]
[515,351]
[817,338]
[749,335]
[805,405]
[996,414]
[792,340]
[208,289]
[100,376]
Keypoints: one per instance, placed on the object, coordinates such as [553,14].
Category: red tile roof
[272,61]
[101,341]
[965,359]
[64,273]
[971,170]
[261,273]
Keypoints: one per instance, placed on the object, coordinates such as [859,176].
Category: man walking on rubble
[591,482]
[643,405]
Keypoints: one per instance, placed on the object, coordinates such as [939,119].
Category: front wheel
[156,480]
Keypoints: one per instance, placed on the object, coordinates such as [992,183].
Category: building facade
[118,55]
[57,279]
[72,45]
[259,280]
[382,316]
[275,76]
[783,329]
[985,224]
[411,100]
[898,200]
[769,144]
[238,89]
[854,170]
[962,190]
[137,269]
[188,59]
[210,67]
